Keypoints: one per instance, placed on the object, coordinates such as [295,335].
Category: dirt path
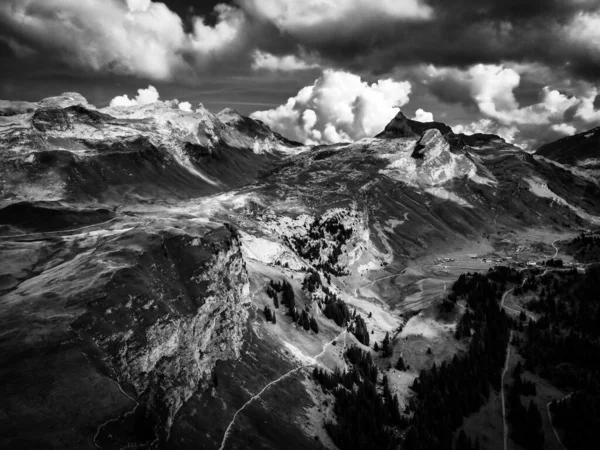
[555,248]
[505,424]
[519,312]
[285,375]
[552,424]
[116,418]
[378,280]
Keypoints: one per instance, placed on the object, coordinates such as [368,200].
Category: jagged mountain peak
[403,127]
[229,114]
[168,316]
[64,100]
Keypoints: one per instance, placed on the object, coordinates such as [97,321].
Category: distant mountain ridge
[403,127]
[170,279]
[580,151]
[102,154]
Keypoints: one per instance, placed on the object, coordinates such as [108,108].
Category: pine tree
[305,321]
[314,325]
[386,347]
[400,364]
[267,312]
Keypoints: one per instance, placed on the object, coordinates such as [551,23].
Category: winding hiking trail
[115,419]
[505,424]
[285,375]
[378,280]
[519,312]
[552,423]
[502,391]
[555,248]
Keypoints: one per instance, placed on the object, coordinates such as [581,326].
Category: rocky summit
[181,279]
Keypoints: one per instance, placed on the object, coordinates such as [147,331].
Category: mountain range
[140,246]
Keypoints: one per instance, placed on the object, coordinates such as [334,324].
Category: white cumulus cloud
[138,5]
[564,128]
[487,126]
[491,89]
[423,116]
[134,37]
[144,97]
[339,106]
[288,63]
[185,106]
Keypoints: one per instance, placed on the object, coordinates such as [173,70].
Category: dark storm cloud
[359,35]
[498,64]
[461,33]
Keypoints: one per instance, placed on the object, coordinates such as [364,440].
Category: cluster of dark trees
[530,284]
[450,392]
[585,248]
[526,422]
[464,443]
[578,416]
[308,322]
[336,310]
[360,330]
[554,263]
[320,234]
[401,365]
[386,347]
[270,315]
[272,291]
[505,274]
[521,386]
[312,281]
[563,346]
[288,298]
[464,326]
[366,418]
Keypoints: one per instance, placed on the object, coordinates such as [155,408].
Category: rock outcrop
[403,127]
[184,307]
[435,163]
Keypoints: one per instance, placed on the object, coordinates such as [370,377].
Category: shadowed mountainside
[138,245]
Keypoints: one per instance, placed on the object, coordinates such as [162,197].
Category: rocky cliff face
[163,339]
[435,163]
[403,127]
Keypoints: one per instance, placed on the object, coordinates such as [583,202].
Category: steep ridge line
[58,231]
[257,396]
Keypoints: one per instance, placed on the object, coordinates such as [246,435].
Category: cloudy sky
[320,70]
